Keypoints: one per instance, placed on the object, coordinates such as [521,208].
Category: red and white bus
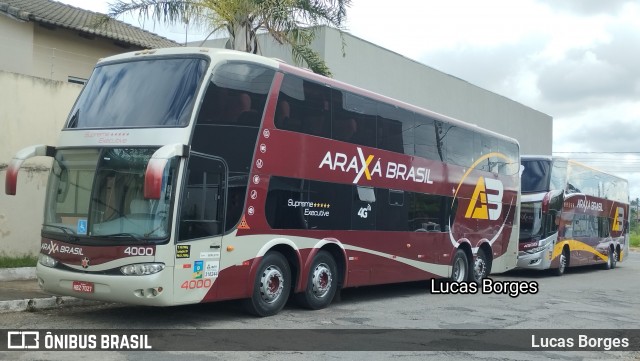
[191,175]
[571,215]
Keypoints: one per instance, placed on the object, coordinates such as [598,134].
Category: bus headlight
[141,269]
[47,261]
[542,245]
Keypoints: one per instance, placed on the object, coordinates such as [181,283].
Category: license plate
[84,287]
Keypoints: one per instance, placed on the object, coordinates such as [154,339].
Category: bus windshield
[99,193]
[530,221]
[144,93]
[535,175]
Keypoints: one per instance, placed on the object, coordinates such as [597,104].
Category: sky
[575,60]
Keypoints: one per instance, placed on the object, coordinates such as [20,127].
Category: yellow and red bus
[190,175]
[571,215]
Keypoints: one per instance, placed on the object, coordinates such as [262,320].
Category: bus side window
[202,201]
[395,129]
[353,118]
[426,138]
[304,106]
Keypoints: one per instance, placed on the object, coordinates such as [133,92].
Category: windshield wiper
[69,232]
[136,237]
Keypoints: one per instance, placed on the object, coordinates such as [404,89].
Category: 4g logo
[486,202]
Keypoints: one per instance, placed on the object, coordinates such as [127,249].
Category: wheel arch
[336,250]
[291,253]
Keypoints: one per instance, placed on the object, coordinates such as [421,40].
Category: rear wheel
[460,270]
[480,267]
[564,261]
[322,282]
[271,287]
[612,260]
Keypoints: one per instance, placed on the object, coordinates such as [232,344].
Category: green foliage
[19,261]
[291,22]
[634,238]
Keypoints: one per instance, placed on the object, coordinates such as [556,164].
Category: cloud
[595,75]
[496,68]
[603,135]
[587,7]
[582,76]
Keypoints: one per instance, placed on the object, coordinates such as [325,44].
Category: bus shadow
[107,315]
[380,292]
[535,274]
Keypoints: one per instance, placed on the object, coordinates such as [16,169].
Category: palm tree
[290,22]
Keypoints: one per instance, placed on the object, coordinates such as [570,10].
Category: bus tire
[460,266]
[480,267]
[271,287]
[322,282]
[564,262]
[611,260]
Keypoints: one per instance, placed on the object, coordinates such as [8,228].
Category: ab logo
[617,223]
[486,202]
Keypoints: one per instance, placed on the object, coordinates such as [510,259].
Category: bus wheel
[480,267]
[321,284]
[271,287]
[564,260]
[611,260]
[460,270]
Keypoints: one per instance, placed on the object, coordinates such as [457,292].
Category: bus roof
[228,54]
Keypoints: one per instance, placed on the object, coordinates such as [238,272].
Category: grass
[634,239]
[20,261]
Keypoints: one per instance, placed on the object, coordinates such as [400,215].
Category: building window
[76,80]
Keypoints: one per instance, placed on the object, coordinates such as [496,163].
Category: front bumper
[540,260]
[150,290]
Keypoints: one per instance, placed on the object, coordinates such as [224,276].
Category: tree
[290,22]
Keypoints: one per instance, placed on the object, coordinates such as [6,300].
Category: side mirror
[11,178]
[155,168]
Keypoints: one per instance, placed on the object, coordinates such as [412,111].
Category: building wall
[16,45]
[374,68]
[33,111]
[51,53]
[60,53]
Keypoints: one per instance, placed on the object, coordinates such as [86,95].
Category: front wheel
[564,260]
[322,282]
[271,287]
[460,269]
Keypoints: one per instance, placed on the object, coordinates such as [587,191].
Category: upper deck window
[535,175]
[143,93]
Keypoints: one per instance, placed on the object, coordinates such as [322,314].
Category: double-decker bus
[191,175]
[571,215]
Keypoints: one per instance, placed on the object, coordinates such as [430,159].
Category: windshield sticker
[82,226]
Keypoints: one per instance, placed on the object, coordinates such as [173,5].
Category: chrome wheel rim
[271,284]
[321,280]
[479,269]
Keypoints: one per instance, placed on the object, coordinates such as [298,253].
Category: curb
[39,303]
[17,274]
[43,304]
